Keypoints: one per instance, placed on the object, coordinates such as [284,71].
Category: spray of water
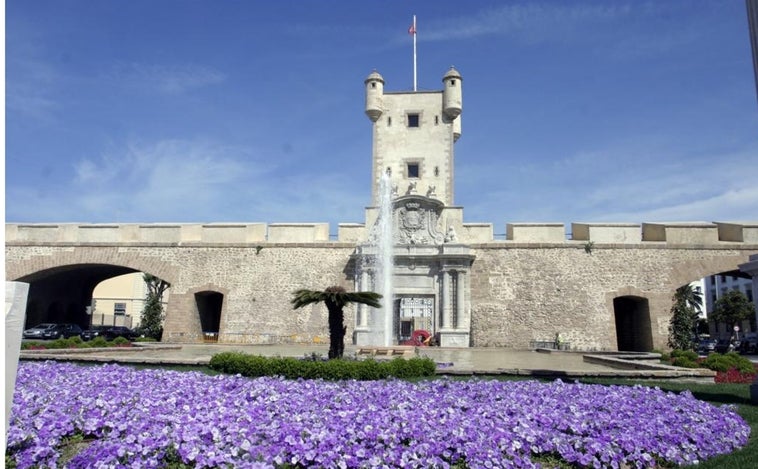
[385,264]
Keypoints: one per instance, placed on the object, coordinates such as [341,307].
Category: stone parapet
[477,233]
[741,232]
[351,233]
[536,232]
[213,234]
[298,232]
[617,233]
[681,233]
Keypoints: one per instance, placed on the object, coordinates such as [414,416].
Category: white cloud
[616,184]
[531,21]
[740,204]
[192,181]
[169,79]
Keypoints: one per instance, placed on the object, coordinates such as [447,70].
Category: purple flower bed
[144,418]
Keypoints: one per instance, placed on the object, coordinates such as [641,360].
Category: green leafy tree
[732,308]
[688,303]
[151,319]
[335,298]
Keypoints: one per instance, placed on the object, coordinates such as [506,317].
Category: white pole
[414,52]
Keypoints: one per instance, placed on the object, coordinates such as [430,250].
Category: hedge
[333,370]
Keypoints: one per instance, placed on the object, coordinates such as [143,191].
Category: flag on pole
[412,32]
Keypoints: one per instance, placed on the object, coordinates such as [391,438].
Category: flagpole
[414,52]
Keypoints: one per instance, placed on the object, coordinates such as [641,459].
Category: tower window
[413,120]
[389,121]
[373,85]
[436,120]
[413,170]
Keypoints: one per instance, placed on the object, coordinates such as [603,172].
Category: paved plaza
[455,361]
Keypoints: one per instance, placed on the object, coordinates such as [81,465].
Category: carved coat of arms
[416,223]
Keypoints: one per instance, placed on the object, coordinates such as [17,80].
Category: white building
[716,286]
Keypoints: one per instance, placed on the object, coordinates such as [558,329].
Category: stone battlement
[696,233]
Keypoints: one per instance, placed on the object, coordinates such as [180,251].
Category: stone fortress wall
[530,286]
[699,233]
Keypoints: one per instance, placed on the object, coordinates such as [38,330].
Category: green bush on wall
[294,368]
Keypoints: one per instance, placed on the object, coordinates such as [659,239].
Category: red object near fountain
[419,338]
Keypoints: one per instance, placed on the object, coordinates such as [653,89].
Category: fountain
[378,258]
[385,264]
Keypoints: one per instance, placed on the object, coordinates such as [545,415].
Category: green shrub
[684,362]
[31,345]
[725,362]
[98,342]
[121,341]
[686,354]
[333,370]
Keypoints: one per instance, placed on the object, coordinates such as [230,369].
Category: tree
[688,303]
[732,307]
[151,319]
[335,298]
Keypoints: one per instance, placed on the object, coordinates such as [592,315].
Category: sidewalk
[453,361]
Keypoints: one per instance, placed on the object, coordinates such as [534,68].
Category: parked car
[726,345]
[749,345]
[61,331]
[119,331]
[37,331]
[706,346]
[92,332]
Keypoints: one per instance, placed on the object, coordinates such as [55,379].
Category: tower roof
[374,76]
[452,73]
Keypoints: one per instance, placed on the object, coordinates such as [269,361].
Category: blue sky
[148,111]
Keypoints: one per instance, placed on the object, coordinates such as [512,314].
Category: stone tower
[414,133]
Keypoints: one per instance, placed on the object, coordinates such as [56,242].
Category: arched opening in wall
[633,328]
[85,295]
[209,305]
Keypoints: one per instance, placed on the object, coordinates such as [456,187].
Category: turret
[374,92]
[452,95]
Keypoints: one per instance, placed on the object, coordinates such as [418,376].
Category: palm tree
[688,303]
[335,299]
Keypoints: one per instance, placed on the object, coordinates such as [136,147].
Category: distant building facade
[119,301]
[717,286]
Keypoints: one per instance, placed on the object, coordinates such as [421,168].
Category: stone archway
[61,283]
[209,306]
[633,326]
[62,294]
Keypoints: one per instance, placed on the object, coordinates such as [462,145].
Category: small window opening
[119,309]
[389,121]
[436,170]
[389,171]
[413,120]
[452,82]
[436,120]
[413,170]
[373,85]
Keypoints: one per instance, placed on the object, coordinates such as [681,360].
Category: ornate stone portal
[430,272]
[414,134]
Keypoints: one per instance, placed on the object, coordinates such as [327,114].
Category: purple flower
[147,418]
